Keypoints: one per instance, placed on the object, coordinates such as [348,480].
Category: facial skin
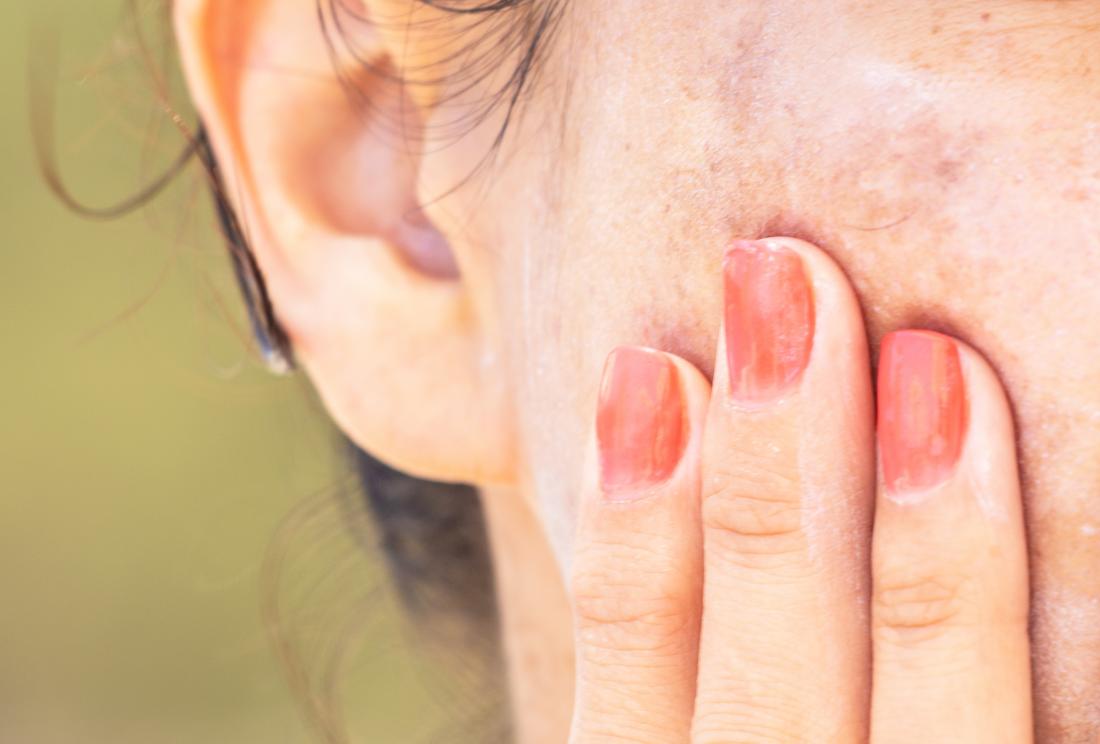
[945,153]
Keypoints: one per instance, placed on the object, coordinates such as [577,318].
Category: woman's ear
[323,162]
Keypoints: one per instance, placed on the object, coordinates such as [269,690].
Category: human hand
[748,570]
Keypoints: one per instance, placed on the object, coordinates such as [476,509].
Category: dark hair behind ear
[434,539]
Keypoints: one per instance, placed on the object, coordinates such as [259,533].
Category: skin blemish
[949,170]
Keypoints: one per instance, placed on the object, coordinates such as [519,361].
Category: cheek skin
[963,205]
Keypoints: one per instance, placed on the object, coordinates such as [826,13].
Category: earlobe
[369,290]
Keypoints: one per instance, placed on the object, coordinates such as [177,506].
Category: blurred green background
[146,461]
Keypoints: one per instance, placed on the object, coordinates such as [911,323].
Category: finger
[949,616]
[788,482]
[637,569]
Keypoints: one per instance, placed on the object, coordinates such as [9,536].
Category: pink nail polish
[639,420]
[922,417]
[769,317]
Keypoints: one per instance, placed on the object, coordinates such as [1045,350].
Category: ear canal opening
[424,247]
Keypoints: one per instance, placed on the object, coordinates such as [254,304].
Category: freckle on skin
[948,170]
[986,16]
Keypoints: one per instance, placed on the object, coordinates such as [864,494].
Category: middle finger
[788,484]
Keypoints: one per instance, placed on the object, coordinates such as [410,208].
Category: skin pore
[946,154]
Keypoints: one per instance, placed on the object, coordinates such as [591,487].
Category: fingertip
[649,418]
[792,324]
[943,417]
[834,294]
[922,412]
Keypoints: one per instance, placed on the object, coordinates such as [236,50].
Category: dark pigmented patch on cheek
[860,174]
[949,170]
[890,211]
[897,172]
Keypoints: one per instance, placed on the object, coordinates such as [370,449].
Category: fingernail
[769,320]
[921,409]
[639,420]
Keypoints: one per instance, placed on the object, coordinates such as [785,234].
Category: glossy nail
[769,317]
[639,420]
[921,409]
